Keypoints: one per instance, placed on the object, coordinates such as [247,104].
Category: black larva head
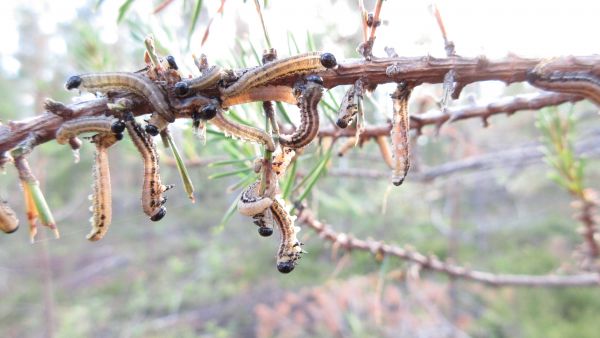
[208,112]
[181,88]
[73,82]
[172,63]
[119,136]
[152,130]
[341,123]
[159,214]
[117,127]
[285,267]
[315,78]
[265,231]
[328,60]
[531,76]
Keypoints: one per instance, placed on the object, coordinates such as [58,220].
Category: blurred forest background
[203,271]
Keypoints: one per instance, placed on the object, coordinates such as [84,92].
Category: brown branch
[378,71]
[437,118]
[435,264]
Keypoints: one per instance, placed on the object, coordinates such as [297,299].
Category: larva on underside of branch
[152,192]
[399,133]
[309,95]
[267,93]
[101,197]
[299,65]
[9,222]
[348,107]
[578,83]
[130,82]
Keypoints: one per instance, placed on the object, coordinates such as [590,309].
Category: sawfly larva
[9,222]
[578,83]
[208,79]
[130,82]
[309,95]
[267,93]
[88,124]
[101,197]
[153,189]
[298,65]
[348,108]
[399,133]
[290,249]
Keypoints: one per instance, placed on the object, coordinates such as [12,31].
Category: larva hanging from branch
[9,222]
[101,197]
[152,192]
[129,82]
[290,248]
[399,132]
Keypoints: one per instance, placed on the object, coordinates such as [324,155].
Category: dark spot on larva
[119,136]
[532,76]
[172,63]
[101,225]
[315,78]
[152,130]
[13,230]
[103,217]
[208,112]
[265,231]
[73,82]
[181,88]
[285,267]
[118,127]
[159,214]
[328,60]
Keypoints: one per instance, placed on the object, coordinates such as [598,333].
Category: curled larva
[251,203]
[208,79]
[290,249]
[238,130]
[130,82]
[578,83]
[302,64]
[9,222]
[310,94]
[85,124]
[101,197]
[399,133]
[348,108]
[152,192]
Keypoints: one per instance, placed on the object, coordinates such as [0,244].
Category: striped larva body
[266,93]
[208,79]
[251,203]
[86,124]
[101,197]
[290,249]
[241,131]
[298,65]
[9,222]
[348,108]
[309,96]
[399,133]
[578,83]
[152,192]
[130,82]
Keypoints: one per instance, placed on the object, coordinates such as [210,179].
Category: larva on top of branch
[153,189]
[88,124]
[399,132]
[101,197]
[130,82]
[578,83]
[308,96]
[298,65]
[9,222]
[208,79]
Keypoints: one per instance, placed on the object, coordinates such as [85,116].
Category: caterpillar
[9,222]
[290,249]
[308,96]
[399,133]
[208,79]
[244,132]
[348,108]
[98,124]
[131,82]
[267,93]
[578,83]
[101,197]
[295,65]
[152,192]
